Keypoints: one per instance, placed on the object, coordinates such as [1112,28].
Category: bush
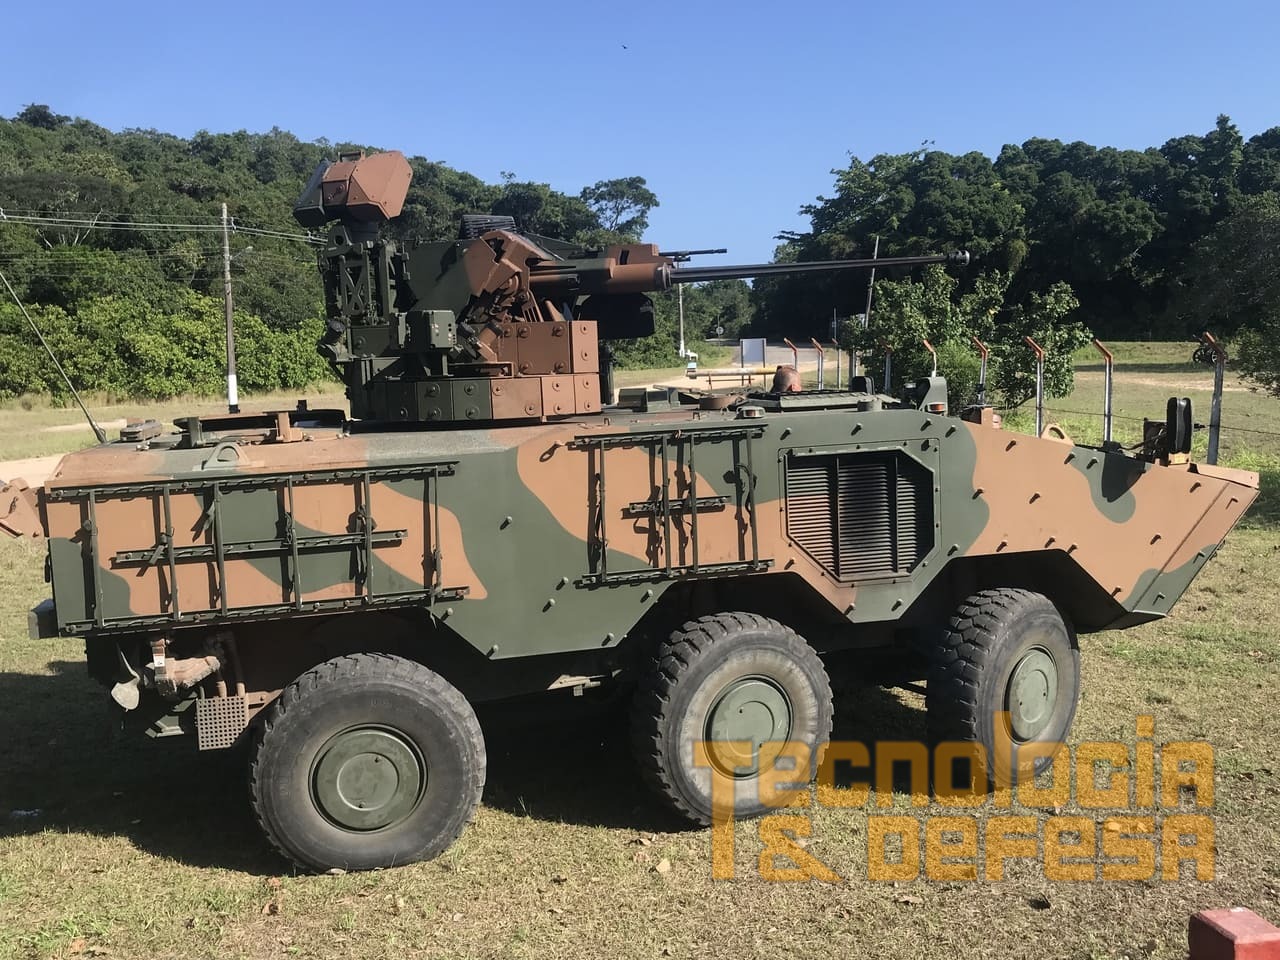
[130,349]
[960,364]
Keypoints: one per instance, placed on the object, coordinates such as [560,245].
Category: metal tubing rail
[1039,352]
[822,360]
[983,353]
[795,354]
[933,353]
[1108,365]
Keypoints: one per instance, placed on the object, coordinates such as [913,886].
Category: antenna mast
[97,430]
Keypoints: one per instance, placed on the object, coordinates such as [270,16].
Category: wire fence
[1236,440]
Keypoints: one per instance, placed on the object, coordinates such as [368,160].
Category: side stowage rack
[674,454]
[302,555]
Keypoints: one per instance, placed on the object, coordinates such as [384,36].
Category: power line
[92,214]
[71,256]
[93,223]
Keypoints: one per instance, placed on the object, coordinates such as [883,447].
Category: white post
[680,302]
[233,393]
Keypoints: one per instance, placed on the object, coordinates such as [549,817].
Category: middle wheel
[741,685]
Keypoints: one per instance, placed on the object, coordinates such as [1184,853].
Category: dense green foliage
[722,304]
[124,265]
[1152,244]
[932,308]
[127,279]
[128,347]
[1237,279]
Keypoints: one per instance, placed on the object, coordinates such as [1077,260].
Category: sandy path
[34,470]
[81,425]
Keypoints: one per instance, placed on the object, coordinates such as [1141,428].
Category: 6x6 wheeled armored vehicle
[490,521]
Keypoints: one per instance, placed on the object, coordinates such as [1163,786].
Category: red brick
[1233,934]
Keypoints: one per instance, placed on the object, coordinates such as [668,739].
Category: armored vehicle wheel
[731,678]
[1005,674]
[366,761]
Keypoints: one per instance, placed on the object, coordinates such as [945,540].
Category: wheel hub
[749,714]
[1032,694]
[367,778]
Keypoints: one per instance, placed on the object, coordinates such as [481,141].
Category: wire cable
[93,223]
[97,430]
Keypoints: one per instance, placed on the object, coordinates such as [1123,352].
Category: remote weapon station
[491,522]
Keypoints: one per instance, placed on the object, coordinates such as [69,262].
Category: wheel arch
[782,596]
[1083,602]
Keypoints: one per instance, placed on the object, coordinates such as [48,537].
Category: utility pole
[866,314]
[682,256]
[680,307]
[233,393]
[871,283]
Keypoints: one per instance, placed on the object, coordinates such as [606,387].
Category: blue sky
[735,112]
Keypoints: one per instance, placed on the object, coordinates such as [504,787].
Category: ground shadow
[555,757]
[66,766]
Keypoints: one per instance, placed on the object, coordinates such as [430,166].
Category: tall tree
[622,206]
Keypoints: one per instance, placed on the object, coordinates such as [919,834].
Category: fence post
[1215,409]
[1039,352]
[822,360]
[933,353]
[982,370]
[1108,363]
[795,354]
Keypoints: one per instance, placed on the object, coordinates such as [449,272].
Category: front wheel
[1006,674]
[366,761]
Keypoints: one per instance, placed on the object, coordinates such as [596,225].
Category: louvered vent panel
[809,515]
[860,515]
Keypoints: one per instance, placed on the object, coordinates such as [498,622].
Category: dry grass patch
[139,849]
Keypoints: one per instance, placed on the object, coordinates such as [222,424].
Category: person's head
[786,379]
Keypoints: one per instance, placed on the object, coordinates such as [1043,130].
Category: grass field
[124,848]
[32,427]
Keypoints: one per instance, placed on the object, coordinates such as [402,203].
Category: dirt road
[34,470]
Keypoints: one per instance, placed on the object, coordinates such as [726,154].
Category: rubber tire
[366,688]
[970,666]
[682,683]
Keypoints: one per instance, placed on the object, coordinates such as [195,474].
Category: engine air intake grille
[861,514]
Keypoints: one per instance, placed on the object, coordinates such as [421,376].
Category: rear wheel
[367,761]
[740,684]
[1006,674]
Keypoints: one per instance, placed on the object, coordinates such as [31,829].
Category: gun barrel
[680,256]
[742,272]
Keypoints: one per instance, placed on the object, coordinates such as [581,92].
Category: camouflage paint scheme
[495,494]
[516,522]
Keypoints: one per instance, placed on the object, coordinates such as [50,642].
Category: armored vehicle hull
[211,570]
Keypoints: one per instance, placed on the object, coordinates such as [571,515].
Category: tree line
[1068,239]
[111,239]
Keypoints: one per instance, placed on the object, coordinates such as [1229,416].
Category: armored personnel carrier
[490,521]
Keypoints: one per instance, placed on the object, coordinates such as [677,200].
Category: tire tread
[674,658]
[366,666]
